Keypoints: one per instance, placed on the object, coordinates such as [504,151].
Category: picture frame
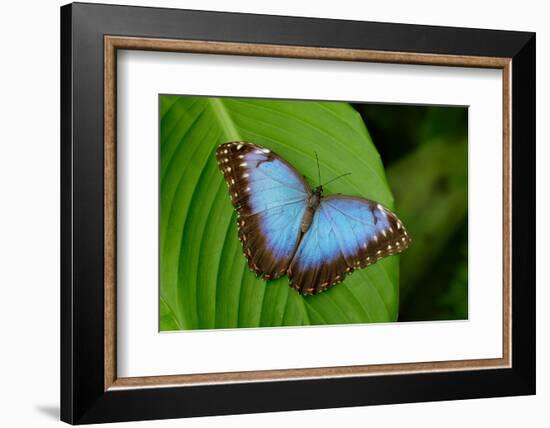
[91,390]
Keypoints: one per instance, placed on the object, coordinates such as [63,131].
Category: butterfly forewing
[347,233]
[270,198]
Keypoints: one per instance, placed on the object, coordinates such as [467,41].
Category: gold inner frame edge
[113,43]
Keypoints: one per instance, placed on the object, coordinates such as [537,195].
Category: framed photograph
[265,213]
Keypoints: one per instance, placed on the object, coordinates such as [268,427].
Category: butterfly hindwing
[270,198]
[347,233]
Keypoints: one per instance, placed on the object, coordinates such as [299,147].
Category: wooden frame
[513,53]
[113,43]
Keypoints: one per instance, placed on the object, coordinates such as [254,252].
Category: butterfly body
[312,204]
[285,227]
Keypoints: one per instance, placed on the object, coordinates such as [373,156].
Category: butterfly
[285,227]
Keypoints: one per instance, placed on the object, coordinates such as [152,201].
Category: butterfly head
[318,191]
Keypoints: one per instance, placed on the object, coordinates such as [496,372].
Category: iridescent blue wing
[270,198]
[346,234]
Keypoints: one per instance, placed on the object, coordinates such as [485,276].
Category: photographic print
[279,213]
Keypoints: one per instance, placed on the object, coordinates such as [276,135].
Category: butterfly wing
[270,198]
[347,233]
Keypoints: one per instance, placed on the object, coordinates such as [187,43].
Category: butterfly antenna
[336,178]
[318,168]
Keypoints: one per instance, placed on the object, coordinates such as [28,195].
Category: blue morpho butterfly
[285,227]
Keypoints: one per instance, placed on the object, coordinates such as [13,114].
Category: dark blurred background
[425,152]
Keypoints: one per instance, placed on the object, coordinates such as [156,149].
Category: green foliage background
[204,280]
[425,150]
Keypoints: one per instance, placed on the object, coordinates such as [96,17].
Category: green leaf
[204,279]
[168,320]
